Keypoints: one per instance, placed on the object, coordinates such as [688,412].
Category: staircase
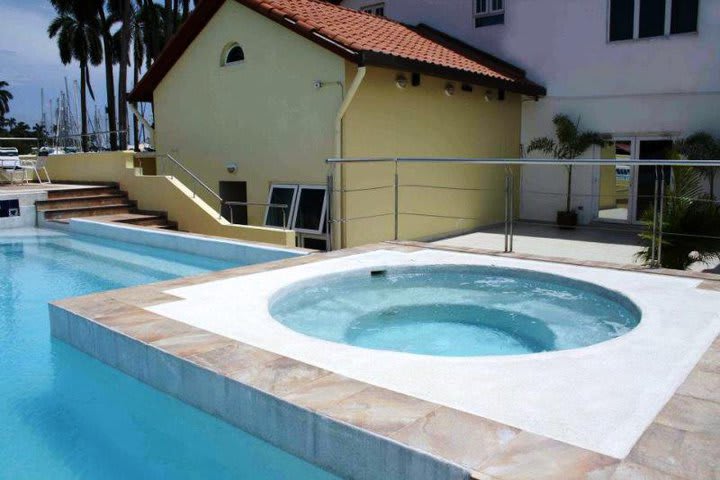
[104,203]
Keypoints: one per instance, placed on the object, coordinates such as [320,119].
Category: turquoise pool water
[455,311]
[64,415]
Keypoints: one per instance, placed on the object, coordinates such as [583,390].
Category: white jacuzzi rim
[619,297]
[679,322]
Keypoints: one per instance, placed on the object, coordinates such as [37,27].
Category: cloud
[29,59]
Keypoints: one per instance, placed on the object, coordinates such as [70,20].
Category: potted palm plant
[570,143]
[701,146]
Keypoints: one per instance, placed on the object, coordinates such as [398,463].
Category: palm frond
[544,145]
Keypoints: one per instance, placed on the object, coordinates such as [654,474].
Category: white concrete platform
[600,397]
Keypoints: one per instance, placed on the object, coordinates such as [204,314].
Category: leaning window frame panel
[323,212]
[290,217]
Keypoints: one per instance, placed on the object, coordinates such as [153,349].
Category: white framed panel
[276,196]
[303,219]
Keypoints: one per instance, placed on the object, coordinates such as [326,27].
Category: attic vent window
[234,54]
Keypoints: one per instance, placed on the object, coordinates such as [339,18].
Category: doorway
[626,192]
[234,192]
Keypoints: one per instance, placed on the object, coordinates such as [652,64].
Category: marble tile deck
[682,443]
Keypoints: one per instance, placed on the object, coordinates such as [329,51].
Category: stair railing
[196,181]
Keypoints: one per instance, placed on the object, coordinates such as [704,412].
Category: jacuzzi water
[65,415]
[455,310]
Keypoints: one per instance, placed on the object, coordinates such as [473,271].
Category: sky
[29,60]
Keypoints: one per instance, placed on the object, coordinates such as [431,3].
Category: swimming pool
[455,310]
[65,415]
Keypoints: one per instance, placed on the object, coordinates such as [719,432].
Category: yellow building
[254,95]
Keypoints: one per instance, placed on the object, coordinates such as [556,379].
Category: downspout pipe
[357,81]
[142,120]
[347,100]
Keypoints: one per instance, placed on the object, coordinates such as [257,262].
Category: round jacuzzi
[455,310]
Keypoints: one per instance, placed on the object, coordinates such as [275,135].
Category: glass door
[615,183]
[626,192]
[649,149]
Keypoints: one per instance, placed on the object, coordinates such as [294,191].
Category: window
[652,18]
[305,211]
[375,9]
[310,211]
[489,12]
[683,16]
[622,19]
[631,19]
[281,195]
[233,54]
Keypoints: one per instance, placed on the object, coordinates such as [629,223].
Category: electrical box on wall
[9,208]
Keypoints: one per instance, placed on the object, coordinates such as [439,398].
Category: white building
[644,71]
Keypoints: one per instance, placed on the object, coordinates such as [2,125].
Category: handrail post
[397,201]
[511,210]
[662,209]
[507,205]
[653,246]
[328,215]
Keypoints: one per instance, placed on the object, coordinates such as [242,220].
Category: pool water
[455,310]
[65,415]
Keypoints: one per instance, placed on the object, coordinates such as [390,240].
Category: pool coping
[682,442]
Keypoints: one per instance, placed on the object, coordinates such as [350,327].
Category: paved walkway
[612,243]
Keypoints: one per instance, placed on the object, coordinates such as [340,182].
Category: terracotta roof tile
[360,37]
[361,31]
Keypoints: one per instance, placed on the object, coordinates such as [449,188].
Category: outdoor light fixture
[401,81]
[231,167]
[488,96]
[449,89]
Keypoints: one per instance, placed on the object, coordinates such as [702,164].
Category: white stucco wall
[659,86]
[563,45]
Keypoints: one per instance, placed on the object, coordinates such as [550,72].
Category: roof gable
[358,37]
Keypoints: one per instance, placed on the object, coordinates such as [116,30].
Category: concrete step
[83,192]
[125,207]
[83,201]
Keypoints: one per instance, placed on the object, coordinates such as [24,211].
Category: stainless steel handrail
[532,161]
[658,197]
[196,180]
[281,206]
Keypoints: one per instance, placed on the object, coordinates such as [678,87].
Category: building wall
[434,200]
[662,86]
[265,114]
[661,116]
[563,45]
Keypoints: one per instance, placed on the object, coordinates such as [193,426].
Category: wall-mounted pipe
[142,120]
[357,81]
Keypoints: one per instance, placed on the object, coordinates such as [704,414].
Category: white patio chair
[10,167]
[36,165]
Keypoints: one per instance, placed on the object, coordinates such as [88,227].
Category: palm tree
[701,146]
[5,97]
[78,31]
[124,62]
[109,57]
[570,144]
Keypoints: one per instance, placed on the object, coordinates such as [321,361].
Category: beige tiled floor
[682,443]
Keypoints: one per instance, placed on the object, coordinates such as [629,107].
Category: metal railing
[196,184]
[281,206]
[657,200]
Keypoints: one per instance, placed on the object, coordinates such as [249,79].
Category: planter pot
[567,219]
